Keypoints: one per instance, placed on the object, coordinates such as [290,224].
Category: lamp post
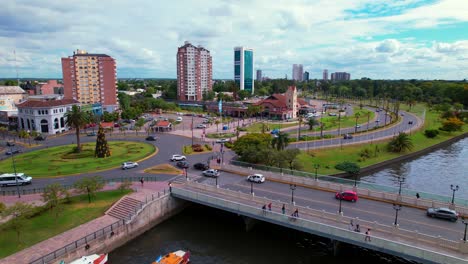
[251,188]
[216,180]
[316,166]
[292,187]
[339,209]
[466,225]
[14,170]
[400,181]
[192,129]
[186,175]
[397,208]
[355,179]
[454,189]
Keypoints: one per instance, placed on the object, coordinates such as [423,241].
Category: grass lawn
[60,161]
[164,169]
[257,127]
[331,122]
[44,226]
[220,135]
[187,149]
[328,158]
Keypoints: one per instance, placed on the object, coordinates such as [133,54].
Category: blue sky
[379,39]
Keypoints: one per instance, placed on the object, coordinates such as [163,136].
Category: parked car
[347,195]
[129,165]
[151,138]
[443,212]
[258,178]
[410,122]
[91,134]
[40,137]
[183,164]
[10,144]
[347,136]
[275,131]
[358,126]
[201,126]
[14,151]
[206,121]
[211,173]
[201,166]
[222,140]
[177,157]
[179,119]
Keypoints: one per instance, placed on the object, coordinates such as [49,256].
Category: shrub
[431,133]
[125,186]
[208,147]
[365,154]
[197,149]
[196,146]
[2,207]
[228,145]
[242,129]
[188,149]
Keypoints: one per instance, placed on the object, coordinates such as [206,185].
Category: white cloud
[143,36]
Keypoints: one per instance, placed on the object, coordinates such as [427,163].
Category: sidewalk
[54,243]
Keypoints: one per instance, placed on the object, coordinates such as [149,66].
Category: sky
[378,39]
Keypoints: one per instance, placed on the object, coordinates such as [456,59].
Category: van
[12,179]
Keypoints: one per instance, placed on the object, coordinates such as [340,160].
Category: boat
[91,259]
[177,257]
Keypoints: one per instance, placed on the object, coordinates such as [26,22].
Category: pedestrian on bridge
[142,181]
[367,235]
[283,209]
[417,196]
[358,229]
[269,207]
[351,225]
[264,209]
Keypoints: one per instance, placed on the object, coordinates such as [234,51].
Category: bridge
[415,236]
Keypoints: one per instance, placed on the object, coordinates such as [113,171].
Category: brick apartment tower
[90,79]
[194,72]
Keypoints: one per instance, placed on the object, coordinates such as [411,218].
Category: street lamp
[14,169]
[466,224]
[186,175]
[355,179]
[400,181]
[292,187]
[454,189]
[339,209]
[397,208]
[216,181]
[251,188]
[192,129]
[316,166]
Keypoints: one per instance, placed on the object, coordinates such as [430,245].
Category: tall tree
[89,186]
[312,122]
[76,119]
[400,143]
[19,212]
[102,148]
[52,196]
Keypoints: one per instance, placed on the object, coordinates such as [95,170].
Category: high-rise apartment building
[325,75]
[259,75]
[297,72]
[244,68]
[91,79]
[305,77]
[340,76]
[194,72]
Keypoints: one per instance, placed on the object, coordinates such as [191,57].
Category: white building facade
[44,116]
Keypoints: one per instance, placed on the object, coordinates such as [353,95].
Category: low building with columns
[44,115]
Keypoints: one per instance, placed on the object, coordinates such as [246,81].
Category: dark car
[444,213]
[151,138]
[183,164]
[40,137]
[14,151]
[10,144]
[347,196]
[201,166]
[91,134]
[347,136]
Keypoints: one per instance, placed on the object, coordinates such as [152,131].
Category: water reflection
[431,173]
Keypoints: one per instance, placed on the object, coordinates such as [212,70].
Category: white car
[211,173]
[179,119]
[201,126]
[222,140]
[178,157]
[258,178]
[129,165]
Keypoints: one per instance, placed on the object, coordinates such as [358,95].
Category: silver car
[211,173]
[444,213]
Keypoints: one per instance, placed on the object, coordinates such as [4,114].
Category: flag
[220,106]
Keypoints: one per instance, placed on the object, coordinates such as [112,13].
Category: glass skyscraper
[244,68]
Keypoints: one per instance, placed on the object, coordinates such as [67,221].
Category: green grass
[257,127]
[328,158]
[44,226]
[187,149]
[60,161]
[163,169]
[220,135]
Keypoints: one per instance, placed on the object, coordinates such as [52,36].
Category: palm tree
[280,141]
[312,122]
[299,128]
[400,143]
[75,118]
[217,125]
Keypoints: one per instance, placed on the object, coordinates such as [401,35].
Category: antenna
[16,66]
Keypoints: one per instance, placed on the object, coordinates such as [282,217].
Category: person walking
[367,235]
[358,229]
[142,181]
[417,196]
[283,209]
[269,207]
[296,213]
[351,225]
[264,209]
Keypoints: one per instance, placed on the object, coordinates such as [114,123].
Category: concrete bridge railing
[335,187]
[389,239]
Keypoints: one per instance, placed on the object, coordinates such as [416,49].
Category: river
[214,236]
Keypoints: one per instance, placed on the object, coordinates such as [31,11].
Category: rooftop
[11,90]
[46,103]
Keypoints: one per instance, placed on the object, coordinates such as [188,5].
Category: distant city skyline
[420,39]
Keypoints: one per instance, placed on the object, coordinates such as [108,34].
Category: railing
[110,229]
[350,183]
[69,187]
[318,219]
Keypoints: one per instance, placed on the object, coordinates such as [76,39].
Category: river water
[214,236]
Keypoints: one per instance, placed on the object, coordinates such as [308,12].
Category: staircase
[124,208]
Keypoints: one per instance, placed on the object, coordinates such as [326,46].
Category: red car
[347,195]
